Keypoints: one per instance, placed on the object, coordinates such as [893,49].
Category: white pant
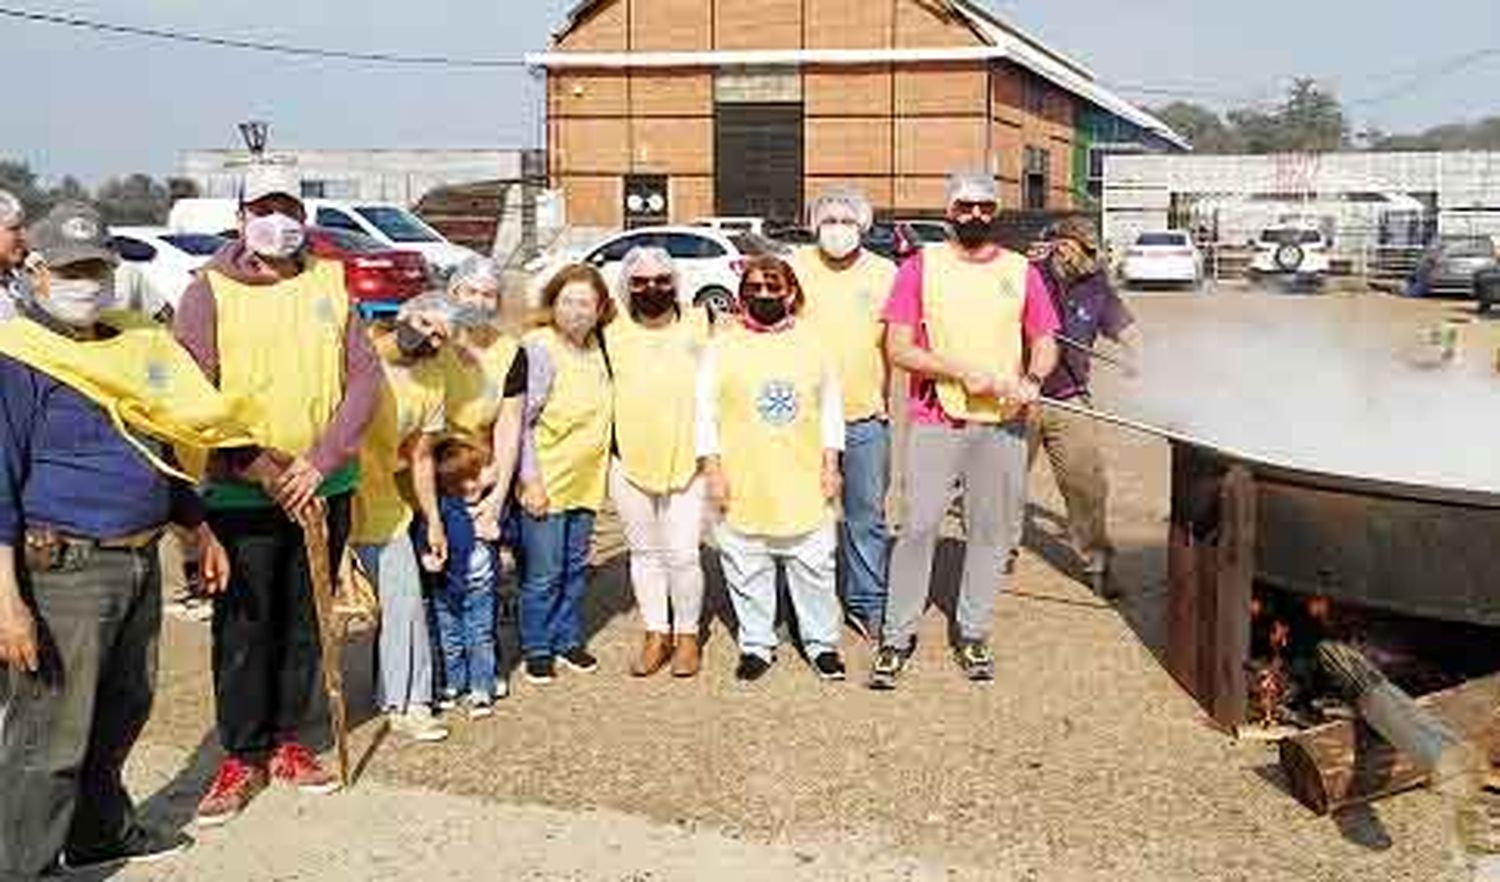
[663,533]
[750,572]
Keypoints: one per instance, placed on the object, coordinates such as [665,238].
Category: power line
[1441,70]
[79,23]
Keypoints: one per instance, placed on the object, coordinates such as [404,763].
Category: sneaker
[751,668]
[890,661]
[977,660]
[829,666]
[140,846]
[418,724]
[541,669]
[502,687]
[580,660]
[294,764]
[234,785]
[480,706]
[448,700]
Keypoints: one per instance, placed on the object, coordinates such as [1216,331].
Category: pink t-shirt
[1038,319]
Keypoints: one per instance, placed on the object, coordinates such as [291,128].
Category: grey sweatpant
[991,461]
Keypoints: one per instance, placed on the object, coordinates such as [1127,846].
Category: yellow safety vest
[655,382]
[769,397]
[145,381]
[572,434]
[845,309]
[973,313]
[411,400]
[282,346]
[476,386]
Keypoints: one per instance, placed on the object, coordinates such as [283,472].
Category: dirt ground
[1083,761]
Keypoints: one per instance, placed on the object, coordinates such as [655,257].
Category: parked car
[1450,266]
[1163,257]
[1487,289]
[1292,252]
[756,225]
[378,278]
[387,223]
[899,239]
[710,261]
[156,266]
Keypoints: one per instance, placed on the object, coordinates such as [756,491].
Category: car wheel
[716,299]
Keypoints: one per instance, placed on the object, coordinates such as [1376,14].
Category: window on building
[329,189]
[1034,181]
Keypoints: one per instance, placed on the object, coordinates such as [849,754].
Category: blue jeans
[466,625]
[554,575]
[863,549]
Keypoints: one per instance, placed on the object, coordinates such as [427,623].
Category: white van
[385,222]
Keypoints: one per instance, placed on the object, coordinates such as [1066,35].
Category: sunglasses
[776,287]
[650,281]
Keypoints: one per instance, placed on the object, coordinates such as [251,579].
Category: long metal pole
[1144,428]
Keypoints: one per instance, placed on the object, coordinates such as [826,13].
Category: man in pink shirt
[973,324]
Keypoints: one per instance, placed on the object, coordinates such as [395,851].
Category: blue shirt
[64,465]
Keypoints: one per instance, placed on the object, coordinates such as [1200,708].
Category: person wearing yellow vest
[846,286]
[269,322]
[564,468]
[397,476]
[770,428]
[653,481]
[974,326]
[91,405]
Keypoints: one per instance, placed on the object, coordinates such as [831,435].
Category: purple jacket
[1087,309]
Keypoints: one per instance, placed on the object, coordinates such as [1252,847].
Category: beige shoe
[686,656]
[655,653]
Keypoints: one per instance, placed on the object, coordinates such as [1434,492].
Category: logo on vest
[777,403]
[324,311]
[157,377]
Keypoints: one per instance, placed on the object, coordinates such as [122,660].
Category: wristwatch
[1033,378]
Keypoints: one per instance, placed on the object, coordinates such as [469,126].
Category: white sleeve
[707,404]
[832,410]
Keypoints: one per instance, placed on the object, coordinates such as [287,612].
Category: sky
[96,105]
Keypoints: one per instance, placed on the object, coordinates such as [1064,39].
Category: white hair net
[645,254]
[841,197]
[11,212]
[972,186]
[475,272]
[442,306]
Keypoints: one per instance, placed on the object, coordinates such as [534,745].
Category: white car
[710,261]
[1294,252]
[1162,257]
[756,225]
[156,265]
[385,222]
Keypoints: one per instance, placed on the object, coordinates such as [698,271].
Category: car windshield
[353,243]
[398,224]
[929,232]
[1283,236]
[196,244]
[1475,246]
[1174,240]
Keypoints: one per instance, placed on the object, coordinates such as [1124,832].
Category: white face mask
[838,241]
[76,302]
[274,236]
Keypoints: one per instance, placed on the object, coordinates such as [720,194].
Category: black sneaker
[751,668]
[541,669]
[579,659]
[890,661]
[141,846]
[829,666]
[977,661]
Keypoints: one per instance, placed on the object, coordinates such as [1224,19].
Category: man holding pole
[267,321]
[973,325]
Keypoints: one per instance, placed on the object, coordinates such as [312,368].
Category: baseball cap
[972,187]
[71,232]
[270,180]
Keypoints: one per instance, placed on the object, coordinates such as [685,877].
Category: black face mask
[766,311]
[974,232]
[653,302]
[414,344]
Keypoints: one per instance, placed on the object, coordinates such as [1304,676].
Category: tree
[1482,135]
[137,200]
[1203,128]
[1309,120]
[21,182]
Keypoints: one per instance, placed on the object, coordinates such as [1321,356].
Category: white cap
[267,179]
[972,187]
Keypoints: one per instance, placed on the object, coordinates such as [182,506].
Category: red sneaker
[234,785]
[296,765]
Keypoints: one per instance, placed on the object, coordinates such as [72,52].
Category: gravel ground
[1083,761]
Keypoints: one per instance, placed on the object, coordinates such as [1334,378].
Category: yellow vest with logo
[411,399]
[282,346]
[145,381]
[844,308]
[573,431]
[655,382]
[476,386]
[769,396]
[973,313]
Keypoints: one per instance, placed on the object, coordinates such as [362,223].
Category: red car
[378,278]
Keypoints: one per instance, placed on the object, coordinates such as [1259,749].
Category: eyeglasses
[774,287]
[651,281]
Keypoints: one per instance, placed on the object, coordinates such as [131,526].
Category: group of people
[437,445]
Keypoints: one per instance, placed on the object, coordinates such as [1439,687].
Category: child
[465,600]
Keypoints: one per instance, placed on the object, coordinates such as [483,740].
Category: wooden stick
[315,532]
